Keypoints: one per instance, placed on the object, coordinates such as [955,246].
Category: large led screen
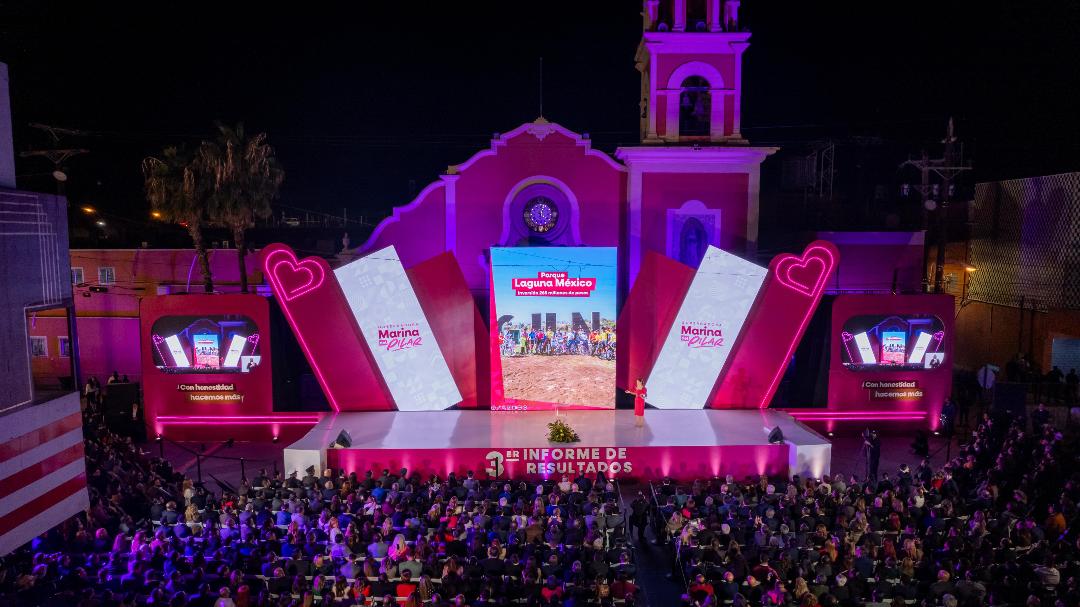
[205,344]
[396,330]
[555,322]
[876,342]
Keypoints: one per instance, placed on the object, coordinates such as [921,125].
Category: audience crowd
[152,537]
[996,525]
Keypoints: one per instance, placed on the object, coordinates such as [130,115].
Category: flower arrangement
[561,432]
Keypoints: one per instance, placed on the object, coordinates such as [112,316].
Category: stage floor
[670,442]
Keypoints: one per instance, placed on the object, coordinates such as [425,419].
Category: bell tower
[693,181]
[690,59]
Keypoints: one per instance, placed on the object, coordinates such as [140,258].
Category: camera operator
[872,453]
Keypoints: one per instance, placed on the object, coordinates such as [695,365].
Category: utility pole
[947,168]
[58,156]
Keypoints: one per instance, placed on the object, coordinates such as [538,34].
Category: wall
[868,260]
[7,152]
[723,63]
[42,470]
[139,272]
[33,277]
[107,323]
[470,212]
[992,334]
[725,192]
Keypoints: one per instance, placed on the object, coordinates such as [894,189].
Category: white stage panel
[395,328]
[708,323]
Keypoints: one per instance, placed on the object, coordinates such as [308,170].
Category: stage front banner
[537,463]
[554,326]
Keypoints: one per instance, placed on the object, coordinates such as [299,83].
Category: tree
[246,179]
[175,189]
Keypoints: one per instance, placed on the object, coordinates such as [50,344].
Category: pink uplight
[840,416]
[235,420]
[797,413]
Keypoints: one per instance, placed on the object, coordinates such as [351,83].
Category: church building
[692,181]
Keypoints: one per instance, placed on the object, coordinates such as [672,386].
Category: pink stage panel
[312,300]
[683,444]
[777,322]
[647,315]
[456,323]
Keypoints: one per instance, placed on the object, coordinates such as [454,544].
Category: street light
[155,214]
[100,223]
[968,270]
[89,210]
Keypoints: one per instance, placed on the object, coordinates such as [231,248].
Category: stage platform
[682,444]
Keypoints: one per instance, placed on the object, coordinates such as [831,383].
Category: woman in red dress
[639,393]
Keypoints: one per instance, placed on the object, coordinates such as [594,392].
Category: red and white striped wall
[42,470]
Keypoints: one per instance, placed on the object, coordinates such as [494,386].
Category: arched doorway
[693,240]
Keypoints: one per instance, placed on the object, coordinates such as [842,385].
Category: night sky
[359,99]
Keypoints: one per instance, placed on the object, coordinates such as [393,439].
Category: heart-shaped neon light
[295,278]
[806,274]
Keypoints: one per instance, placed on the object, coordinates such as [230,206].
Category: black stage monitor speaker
[1010,398]
[343,440]
[776,436]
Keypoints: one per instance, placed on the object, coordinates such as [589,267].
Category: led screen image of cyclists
[555,315]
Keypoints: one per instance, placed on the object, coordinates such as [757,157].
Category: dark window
[664,20]
[697,15]
[694,107]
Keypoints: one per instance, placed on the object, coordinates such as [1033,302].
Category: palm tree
[246,179]
[175,189]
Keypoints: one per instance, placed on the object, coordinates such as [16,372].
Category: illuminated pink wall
[469,210]
[725,192]
[850,401]
[418,229]
[106,344]
[108,323]
[724,64]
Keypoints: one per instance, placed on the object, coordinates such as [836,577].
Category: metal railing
[200,455]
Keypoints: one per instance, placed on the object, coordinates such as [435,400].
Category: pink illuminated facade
[108,286]
[692,182]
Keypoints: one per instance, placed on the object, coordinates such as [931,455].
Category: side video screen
[874,342]
[205,344]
